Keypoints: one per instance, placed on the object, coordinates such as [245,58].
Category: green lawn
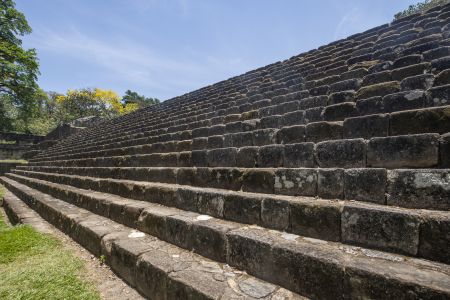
[36,266]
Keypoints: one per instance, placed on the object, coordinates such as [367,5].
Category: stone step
[314,268]
[409,188]
[347,222]
[405,151]
[154,267]
[428,120]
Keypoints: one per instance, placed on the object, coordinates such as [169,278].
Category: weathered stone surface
[365,185]
[264,137]
[338,112]
[296,182]
[247,157]
[444,149]
[341,153]
[418,82]
[271,156]
[380,89]
[275,213]
[293,118]
[420,121]
[420,150]
[404,100]
[258,181]
[299,155]
[435,238]
[443,78]
[379,227]
[340,97]
[211,203]
[330,183]
[419,188]
[225,157]
[199,158]
[366,126]
[291,134]
[440,95]
[323,131]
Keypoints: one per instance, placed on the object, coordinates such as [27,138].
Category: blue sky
[164,48]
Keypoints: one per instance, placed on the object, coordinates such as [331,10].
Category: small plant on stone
[102,259]
[420,8]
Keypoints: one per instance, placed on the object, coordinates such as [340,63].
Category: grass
[36,266]
[19,161]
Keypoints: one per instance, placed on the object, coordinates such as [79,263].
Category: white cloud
[130,62]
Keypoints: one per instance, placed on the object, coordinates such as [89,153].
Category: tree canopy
[140,100]
[19,67]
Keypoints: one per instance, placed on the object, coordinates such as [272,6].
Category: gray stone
[291,134]
[293,118]
[299,155]
[444,149]
[385,228]
[271,156]
[323,131]
[258,181]
[369,106]
[435,238]
[275,213]
[365,185]
[430,120]
[330,183]
[340,111]
[417,151]
[225,157]
[247,157]
[341,154]
[264,137]
[404,100]
[428,189]
[296,182]
[366,126]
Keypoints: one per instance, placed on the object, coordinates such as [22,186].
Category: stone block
[330,183]
[434,240]
[271,156]
[313,114]
[233,127]
[258,181]
[429,120]
[340,97]
[215,141]
[312,102]
[366,126]
[291,134]
[370,106]
[242,139]
[296,182]
[428,189]
[384,228]
[211,203]
[345,85]
[439,95]
[319,219]
[440,64]
[184,159]
[323,131]
[299,155]
[418,82]
[338,112]
[380,89]
[270,122]
[275,213]
[199,143]
[376,78]
[443,78]
[242,209]
[407,61]
[416,151]
[216,130]
[365,185]
[199,158]
[404,101]
[264,137]
[293,118]
[225,157]
[413,70]
[341,154]
[444,150]
[247,157]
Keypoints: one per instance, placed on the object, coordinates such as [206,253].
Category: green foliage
[420,8]
[18,67]
[36,266]
[140,100]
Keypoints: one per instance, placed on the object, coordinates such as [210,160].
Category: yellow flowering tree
[91,102]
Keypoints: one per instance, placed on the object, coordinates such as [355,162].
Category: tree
[140,100]
[18,67]
[91,102]
[420,8]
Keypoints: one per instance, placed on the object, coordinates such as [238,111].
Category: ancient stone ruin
[323,176]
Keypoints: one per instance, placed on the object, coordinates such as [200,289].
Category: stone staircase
[323,176]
